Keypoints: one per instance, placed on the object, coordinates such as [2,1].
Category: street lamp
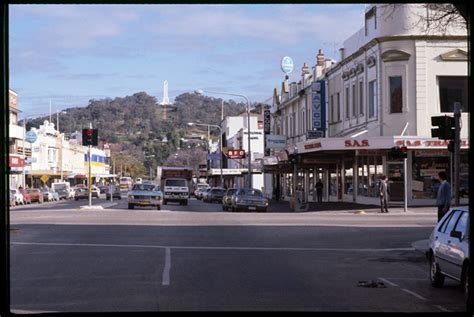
[201,92]
[220,130]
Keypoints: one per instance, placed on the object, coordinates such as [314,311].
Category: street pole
[90,173]
[249,154]
[24,154]
[457,150]
[405,176]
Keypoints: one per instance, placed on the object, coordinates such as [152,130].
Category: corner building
[391,79]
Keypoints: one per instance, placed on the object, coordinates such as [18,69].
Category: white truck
[175,183]
[63,189]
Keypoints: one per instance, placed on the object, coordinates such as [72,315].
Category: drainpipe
[379,88]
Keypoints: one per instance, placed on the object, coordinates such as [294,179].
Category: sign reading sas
[236,153]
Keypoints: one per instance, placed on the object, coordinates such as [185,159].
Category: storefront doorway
[396,181]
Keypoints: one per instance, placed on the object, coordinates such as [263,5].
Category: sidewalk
[347,207]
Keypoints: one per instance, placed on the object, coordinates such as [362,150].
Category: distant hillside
[135,128]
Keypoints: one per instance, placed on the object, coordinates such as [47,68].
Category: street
[200,258]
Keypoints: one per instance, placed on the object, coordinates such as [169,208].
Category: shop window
[347,103]
[396,94]
[361,98]
[354,101]
[348,177]
[338,106]
[372,99]
[369,173]
[425,168]
[452,89]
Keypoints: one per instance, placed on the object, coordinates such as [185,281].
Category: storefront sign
[15,161]
[312,146]
[282,156]
[316,160]
[318,106]
[431,153]
[365,152]
[356,143]
[429,143]
[274,141]
[310,134]
[270,160]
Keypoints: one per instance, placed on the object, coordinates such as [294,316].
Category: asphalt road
[199,258]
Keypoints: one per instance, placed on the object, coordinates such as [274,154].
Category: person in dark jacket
[383,192]
[443,198]
[319,190]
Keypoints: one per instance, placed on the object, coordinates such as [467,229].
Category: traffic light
[445,130]
[90,137]
[403,152]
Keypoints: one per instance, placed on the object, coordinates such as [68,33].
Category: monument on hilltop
[166,101]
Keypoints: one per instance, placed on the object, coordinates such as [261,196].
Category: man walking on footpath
[443,199]
[383,191]
[319,191]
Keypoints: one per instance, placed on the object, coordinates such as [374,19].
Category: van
[63,189]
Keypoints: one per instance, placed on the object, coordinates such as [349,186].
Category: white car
[19,200]
[449,248]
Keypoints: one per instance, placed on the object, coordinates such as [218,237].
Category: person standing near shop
[383,191]
[443,198]
[319,191]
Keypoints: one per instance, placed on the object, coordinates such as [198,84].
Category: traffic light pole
[457,150]
[90,174]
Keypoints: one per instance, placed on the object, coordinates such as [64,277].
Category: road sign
[236,154]
[31,137]
[44,178]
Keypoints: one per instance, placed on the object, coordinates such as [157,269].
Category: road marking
[387,281]
[442,308]
[211,248]
[167,268]
[413,293]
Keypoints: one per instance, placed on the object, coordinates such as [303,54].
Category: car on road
[35,195]
[215,194]
[205,193]
[81,193]
[145,195]
[248,199]
[448,252]
[199,188]
[12,201]
[116,194]
[95,192]
[18,196]
[227,199]
[47,194]
[102,189]
[26,196]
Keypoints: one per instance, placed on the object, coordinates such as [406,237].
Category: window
[361,97]
[452,222]
[372,99]
[338,106]
[347,103]
[462,223]
[452,89]
[354,101]
[395,94]
[331,117]
[442,228]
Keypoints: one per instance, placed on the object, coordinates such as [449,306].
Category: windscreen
[146,187]
[250,192]
[176,182]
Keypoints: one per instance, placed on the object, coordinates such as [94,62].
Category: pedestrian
[443,198]
[383,192]
[277,193]
[319,190]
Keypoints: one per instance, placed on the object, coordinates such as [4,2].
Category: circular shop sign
[31,137]
[287,64]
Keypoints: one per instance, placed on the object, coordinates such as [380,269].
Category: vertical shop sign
[318,107]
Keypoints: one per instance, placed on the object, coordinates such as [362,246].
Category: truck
[63,189]
[175,183]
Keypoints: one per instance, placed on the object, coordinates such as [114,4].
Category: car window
[146,187]
[251,192]
[442,228]
[452,221]
[462,223]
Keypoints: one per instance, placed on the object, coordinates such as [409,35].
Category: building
[16,159]
[391,79]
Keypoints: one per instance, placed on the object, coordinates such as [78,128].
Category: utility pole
[457,150]
[90,173]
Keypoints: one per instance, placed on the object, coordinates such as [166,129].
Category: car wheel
[436,277]
[465,281]
[130,206]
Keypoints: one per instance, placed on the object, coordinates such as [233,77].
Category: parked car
[102,189]
[448,252]
[48,196]
[26,196]
[35,195]
[249,199]
[116,194]
[226,200]
[95,192]
[145,195]
[205,193]
[12,201]
[55,195]
[215,194]
[81,193]
[199,188]
[18,196]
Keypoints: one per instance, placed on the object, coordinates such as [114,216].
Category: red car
[26,196]
[36,195]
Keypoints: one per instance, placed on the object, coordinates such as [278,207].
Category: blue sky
[70,54]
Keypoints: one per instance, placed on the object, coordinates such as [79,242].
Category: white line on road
[413,293]
[167,268]
[211,248]
[387,281]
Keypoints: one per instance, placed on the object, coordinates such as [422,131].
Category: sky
[66,55]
